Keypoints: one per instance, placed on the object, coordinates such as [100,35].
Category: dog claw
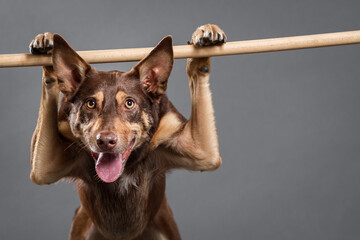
[207,35]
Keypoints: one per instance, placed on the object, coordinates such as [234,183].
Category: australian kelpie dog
[116,134]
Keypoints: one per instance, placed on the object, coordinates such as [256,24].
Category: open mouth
[109,166]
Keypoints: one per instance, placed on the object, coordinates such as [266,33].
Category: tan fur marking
[135,127]
[122,130]
[65,130]
[128,130]
[169,124]
[120,97]
[146,119]
[92,127]
[99,96]
[95,126]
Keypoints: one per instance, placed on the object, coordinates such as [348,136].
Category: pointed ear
[154,70]
[69,67]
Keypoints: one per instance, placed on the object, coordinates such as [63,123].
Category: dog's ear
[154,70]
[69,67]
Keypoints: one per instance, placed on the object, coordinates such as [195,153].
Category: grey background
[288,122]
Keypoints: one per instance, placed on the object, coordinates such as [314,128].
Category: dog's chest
[120,209]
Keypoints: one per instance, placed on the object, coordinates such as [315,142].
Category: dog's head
[112,113]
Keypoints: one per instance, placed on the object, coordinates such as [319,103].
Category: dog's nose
[106,141]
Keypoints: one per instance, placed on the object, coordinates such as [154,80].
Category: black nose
[106,141]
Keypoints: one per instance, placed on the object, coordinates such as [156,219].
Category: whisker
[82,148]
[69,146]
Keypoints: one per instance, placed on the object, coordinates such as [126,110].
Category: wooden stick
[185,51]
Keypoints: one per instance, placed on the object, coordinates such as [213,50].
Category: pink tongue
[109,166]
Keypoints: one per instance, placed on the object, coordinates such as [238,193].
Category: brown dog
[116,134]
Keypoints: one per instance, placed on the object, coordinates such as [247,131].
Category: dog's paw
[42,44]
[207,35]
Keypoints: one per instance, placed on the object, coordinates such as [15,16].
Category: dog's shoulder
[171,121]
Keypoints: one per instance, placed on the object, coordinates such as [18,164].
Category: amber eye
[91,104]
[129,103]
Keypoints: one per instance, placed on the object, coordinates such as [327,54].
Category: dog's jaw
[109,165]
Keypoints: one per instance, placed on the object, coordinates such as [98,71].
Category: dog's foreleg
[194,146]
[199,133]
[191,145]
[48,151]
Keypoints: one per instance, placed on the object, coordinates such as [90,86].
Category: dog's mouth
[109,166]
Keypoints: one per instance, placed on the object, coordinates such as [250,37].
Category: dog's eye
[91,104]
[129,103]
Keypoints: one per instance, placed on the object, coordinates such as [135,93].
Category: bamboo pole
[185,51]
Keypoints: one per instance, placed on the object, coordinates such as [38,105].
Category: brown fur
[134,206]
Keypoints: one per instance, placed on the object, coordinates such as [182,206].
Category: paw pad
[204,69]
[49,81]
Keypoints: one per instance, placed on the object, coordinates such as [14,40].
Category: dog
[116,134]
